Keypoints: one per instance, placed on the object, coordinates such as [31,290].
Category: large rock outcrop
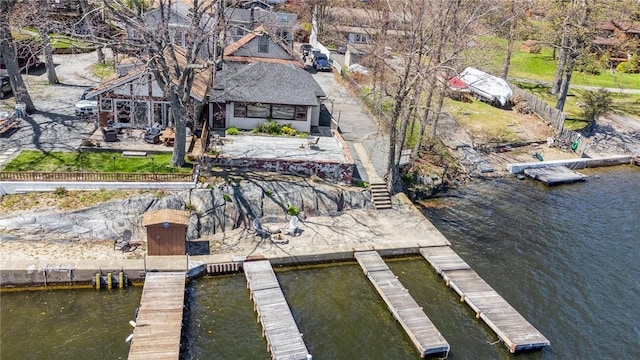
[212,210]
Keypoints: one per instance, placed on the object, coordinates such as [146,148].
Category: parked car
[5,86]
[305,48]
[86,108]
[321,62]
[342,49]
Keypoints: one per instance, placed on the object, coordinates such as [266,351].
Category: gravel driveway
[54,126]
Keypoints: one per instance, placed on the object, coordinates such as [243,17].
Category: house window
[301,113]
[106,105]
[258,110]
[239,110]
[240,32]
[285,112]
[263,44]
[360,38]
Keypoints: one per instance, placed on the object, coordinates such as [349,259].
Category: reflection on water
[67,324]
[565,257]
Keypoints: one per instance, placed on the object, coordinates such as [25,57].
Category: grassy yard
[622,104]
[79,199]
[489,56]
[484,120]
[35,160]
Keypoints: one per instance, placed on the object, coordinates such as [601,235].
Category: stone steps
[380,195]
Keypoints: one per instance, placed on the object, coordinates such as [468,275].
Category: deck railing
[94,176]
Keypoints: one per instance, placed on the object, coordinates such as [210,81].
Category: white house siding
[244,123]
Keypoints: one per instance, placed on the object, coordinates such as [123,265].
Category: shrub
[629,67]
[189,207]
[255,130]
[596,103]
[288,130]
[293,210]
[270,127]
[213,152]
[226,197]
[60,191]
[233,131]
[268,192]
[362,184]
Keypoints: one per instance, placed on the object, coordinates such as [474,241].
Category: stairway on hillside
[380,195]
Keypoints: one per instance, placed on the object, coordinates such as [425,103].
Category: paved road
[355,123]
[581,87]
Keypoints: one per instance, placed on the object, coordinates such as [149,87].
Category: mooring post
[120,280]
[98,281]
[109,281]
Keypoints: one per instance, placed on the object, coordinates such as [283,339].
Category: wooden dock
[159,322]
[284,340]
[404,308]
[554,175]
[512,329]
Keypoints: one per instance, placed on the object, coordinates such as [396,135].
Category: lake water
[567,258]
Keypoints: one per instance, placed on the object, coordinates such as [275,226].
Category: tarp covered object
[490,87]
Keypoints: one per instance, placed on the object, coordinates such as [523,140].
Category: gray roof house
[242,21]
[248,96]
[178,21]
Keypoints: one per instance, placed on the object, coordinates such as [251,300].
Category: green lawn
[35,160]
[489,56]
[623,104]
[483,119]
[62,42]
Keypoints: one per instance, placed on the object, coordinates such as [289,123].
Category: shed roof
[165,215]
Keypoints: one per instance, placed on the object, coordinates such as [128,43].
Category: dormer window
[263,44]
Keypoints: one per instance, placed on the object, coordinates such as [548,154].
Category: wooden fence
[552,116]
[94,176]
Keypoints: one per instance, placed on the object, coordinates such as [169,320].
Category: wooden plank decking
[279,327]
[511,327]
[554,175]
[404,308]
[159,322]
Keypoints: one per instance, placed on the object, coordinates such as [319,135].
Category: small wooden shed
[166,231]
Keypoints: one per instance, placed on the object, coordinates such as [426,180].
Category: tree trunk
[507,58]
[179,125]
[566,80]
[48,58]
[560,67]
[100,54]
[7,48]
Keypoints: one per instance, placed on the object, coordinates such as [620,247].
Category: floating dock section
[512,329]
[159,322]
[279,328]
[554,175]
[404,308]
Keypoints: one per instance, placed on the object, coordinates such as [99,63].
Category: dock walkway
[159,322]
[511,327]
[404,308]
[279,327]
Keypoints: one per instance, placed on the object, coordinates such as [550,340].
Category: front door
[219,115]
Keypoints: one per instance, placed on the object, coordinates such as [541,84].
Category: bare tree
[173,68]
[429,35]
[34,15]
[7,49]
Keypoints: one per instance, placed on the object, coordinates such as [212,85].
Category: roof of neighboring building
[264,17]
[270,83]
[613,41]
[230,49]
[165,216]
